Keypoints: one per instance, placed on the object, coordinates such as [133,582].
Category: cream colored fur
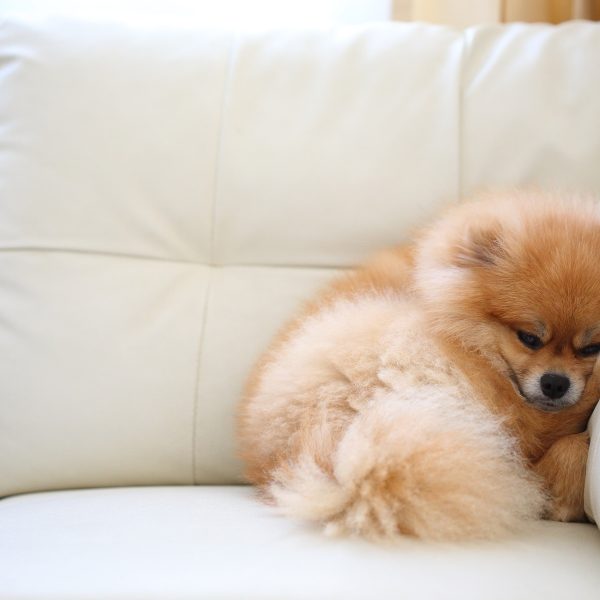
[395,441]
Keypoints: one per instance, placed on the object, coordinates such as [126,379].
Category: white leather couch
[168,195]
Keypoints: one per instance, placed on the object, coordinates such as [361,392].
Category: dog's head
[516,278]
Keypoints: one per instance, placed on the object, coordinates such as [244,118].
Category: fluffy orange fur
[401,400]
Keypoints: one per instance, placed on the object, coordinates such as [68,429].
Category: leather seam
[199,355]
[219,148]
[192,263]
[213,221]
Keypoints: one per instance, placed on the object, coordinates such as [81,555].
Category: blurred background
[301,13]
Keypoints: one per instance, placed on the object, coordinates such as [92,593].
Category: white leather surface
[204,543]
[530,111]
[99,369]
[335,143]
[592,490]
[121,395]
[169,194]
[245,306]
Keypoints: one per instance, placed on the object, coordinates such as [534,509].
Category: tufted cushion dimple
[169,194]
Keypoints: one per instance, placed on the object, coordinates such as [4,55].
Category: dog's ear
[481,246]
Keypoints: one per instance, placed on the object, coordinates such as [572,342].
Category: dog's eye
[590,350]
[530,340]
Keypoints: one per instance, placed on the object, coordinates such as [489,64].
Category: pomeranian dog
[442,390]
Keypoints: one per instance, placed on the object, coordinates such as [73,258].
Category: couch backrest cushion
[169,194]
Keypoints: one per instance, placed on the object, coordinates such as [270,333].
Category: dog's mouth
[545,404]
[512,376]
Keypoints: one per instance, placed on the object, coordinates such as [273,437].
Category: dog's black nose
[554,386]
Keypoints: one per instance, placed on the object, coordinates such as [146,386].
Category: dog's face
[549,373]
[547,337]
[520,284]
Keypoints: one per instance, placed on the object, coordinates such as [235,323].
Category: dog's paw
[563,468]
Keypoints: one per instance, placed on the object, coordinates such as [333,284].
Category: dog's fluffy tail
[430,467]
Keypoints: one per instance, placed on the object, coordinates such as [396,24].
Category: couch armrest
[592,483]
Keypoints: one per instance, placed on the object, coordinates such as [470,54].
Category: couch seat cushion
[176,543]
